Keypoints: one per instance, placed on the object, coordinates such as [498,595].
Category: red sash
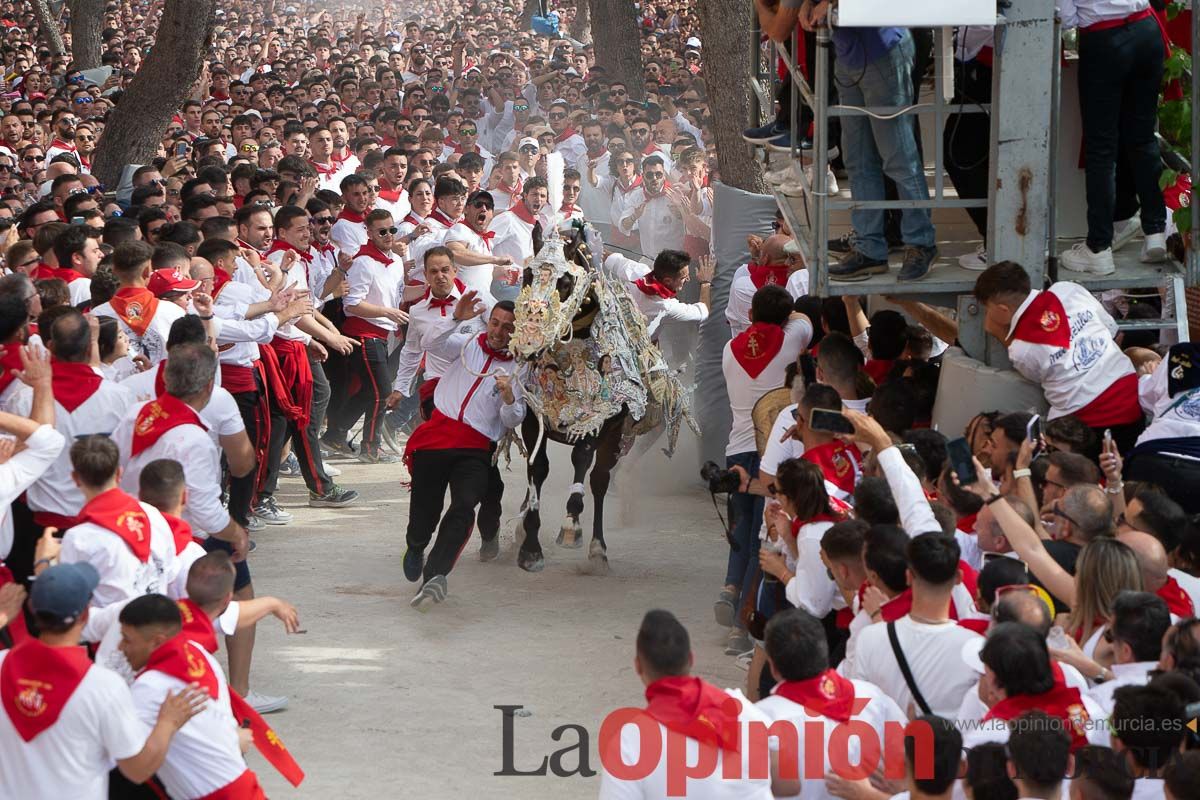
[1178,601]
[828,694]
[159,416]
[296,375]
[1116,405]
[440,432]
[184,661]
[650,285]
[136,306]
[123,515]
[838,461]
[73,383]
[235,379]
[1044,321]
[1062,702]
[244,787]
[36,681]
[181,530]
[756,347]
[426,389]
[197,626]
[266,741]
[363,328]
[696,709]
[769,274]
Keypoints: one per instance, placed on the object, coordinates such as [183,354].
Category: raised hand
[35,366]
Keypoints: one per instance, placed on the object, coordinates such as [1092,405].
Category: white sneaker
[265,703]
[1154,249]
[1080,258]
[976,261]
[784,175]
[1124,231]
[332,471]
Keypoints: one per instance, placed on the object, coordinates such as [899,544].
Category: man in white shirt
[1139,621]
[931,643]
[393,196]
[514,229]
[470,241]
[594,200]
[372,306]
[128,542]
[567,140]
[507,183]
[815,700]
[78,253]
[84,404]
[774,266]
[715,725]
[205,757]
[349,233]
[653,212]
[654,291]
[753,364]
[144,320]
[476,401]
[60,736]
[450,199]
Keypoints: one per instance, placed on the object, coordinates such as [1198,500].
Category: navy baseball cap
[64,590]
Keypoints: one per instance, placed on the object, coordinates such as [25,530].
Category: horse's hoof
[531,562]
[597,558]
[570,536]
[489,549]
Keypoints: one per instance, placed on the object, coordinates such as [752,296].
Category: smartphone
[1033,432]
[962,460]
[78,220]
[829,421]
[1108,440]
[180,149]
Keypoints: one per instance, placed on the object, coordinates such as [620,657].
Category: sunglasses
[322,220]
[421,118]
[482,204]
[30,262]
[83,137]
[521,108]
[387,231]
[625,161]
[84,101]
[467,131]
[33,158]
[640,131]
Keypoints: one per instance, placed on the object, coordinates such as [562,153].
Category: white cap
[693,42]
[528,141]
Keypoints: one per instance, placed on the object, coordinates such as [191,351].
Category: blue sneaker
[764,134]
[414,562]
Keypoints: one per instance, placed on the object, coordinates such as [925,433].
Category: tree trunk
[618,43]
[725,30]
[581,23]
[87,19]
[51,34]
[159,88]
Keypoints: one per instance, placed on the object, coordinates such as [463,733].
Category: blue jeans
[745,514]
[873,147]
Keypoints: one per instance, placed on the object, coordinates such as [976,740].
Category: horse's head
[557,290]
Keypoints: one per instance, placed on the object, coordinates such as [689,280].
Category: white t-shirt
[220,415]
[713,787]
[122,575]
[204,755]
[776,451]
[745,391]
[934,655]
[72,758]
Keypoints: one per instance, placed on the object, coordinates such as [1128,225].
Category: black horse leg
[571,532]
[608,451]
[530,557]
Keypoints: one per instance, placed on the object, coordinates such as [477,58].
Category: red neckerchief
[899,606]
[696,709]
[220,278]
[61,145]
[181,530]
[437,216]
[498,355]
[159,416]
[1044,321]
[72,383]
[65,274]
[769,274]
[243,243]
[562,137]
[458,148]
[967,524]
[755,347]
[185,661]
[369,249]
[522,213]
[123,515]
[838,461]
[136,306]
[976,624]
[650,149]
[413,219]
[601,154]
[486,236]
[568,208]
[1177,600]
[339,160]
[323,249]
[10,363]
[449,300]
[196,625]
[390,195]
[635,183]
[280,246]
[828,694]
[654,196]
[351,216]
[323,170]
[36,681]
[650,285]
[1061,702]
[514,191]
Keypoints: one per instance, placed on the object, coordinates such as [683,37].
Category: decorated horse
[592,381]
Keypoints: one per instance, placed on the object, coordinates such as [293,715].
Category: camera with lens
[720,481]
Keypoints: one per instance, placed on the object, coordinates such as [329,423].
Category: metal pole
[1193,253]
[756,49]
[939,105]
[1055,121]
[820,269]
[794,122]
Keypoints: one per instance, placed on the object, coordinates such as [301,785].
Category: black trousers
[966,139]
[468,475]
[369,363]
[337,366]
[1178,477]
[304,441]
[241,490]
[1120,70]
